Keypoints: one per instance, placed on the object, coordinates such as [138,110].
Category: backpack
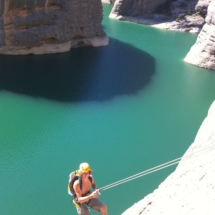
[72,178]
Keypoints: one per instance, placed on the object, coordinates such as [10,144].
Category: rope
[146,172]
[154,169]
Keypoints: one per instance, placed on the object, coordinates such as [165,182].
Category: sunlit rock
[108,1]
[202,53]
[189,190]
[49,26]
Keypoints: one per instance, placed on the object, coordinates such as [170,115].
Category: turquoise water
[136,105]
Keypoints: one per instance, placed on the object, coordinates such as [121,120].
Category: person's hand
[94,194]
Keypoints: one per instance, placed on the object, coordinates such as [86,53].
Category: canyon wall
[49,26]
[202,53]
[108,1]
[134,7]
[190,189]
[178,15]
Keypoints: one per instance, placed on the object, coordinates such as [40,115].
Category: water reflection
[84,74]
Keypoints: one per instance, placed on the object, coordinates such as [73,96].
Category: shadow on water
[84,74]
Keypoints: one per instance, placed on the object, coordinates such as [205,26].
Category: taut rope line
[154,169]
[146,172]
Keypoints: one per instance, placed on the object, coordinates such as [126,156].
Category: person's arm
[93,183]
[78,193]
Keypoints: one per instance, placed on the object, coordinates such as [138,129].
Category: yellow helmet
[84,167]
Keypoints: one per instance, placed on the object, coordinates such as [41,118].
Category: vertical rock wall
[108,1]
[202,53]
[134,7]
[190,189]
[49,26]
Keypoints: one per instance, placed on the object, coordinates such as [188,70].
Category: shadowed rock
[134,8]
[176,15]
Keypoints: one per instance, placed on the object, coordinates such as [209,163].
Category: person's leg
[83,210]
[99,206]
[103,210]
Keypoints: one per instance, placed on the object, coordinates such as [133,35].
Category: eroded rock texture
[108,1]
[134,7]
[49,26]
[175,15]
[202,53]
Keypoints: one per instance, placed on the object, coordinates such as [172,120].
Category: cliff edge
[49,26]
[202,52]
[176,15]
[190,189]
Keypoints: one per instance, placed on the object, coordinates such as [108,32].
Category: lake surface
[123,108]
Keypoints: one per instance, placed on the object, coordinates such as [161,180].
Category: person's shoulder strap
[91,179]
[80,182]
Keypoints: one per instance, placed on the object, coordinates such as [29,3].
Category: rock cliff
[203,51]
[177,15]
[108,1]
[49,26]
[134,8]
[190,189]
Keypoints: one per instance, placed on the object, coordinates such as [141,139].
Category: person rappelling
[80,183]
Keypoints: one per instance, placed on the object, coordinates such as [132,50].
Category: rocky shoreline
[193,16]
[178,16]
[192,24]
[190,189]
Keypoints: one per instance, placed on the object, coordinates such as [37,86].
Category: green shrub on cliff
[189,13]
[180,17]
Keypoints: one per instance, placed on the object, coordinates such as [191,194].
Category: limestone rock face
[134,7]
[108,1]
[203,4]
[190,189]
[202,52]
[49,26]
[175,15]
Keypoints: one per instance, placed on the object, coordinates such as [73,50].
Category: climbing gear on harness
[76,204]
[98,191]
